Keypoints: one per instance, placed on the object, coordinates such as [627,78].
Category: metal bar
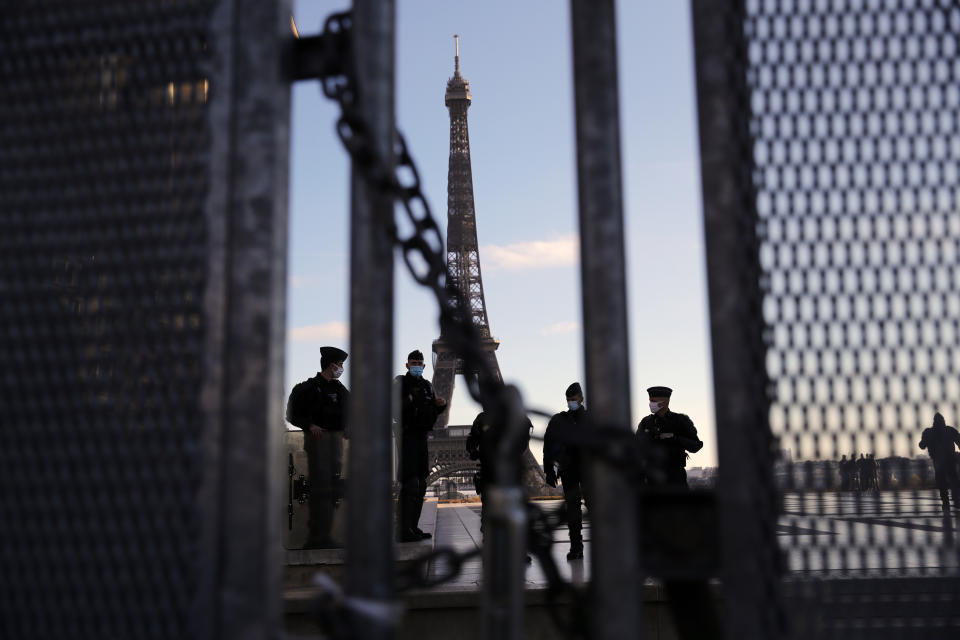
[614,549]
[250,113]
[747,498]
[505,538]
[369,510]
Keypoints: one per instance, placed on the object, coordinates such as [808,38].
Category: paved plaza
[891,532]
[832,534]
[458,527]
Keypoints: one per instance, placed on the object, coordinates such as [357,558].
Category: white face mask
[337,372]
[654,407]
[573,405]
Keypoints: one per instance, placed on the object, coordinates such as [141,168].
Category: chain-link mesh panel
[103,142]
[854,125]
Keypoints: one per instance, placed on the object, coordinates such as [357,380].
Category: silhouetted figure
[854,473]
[939,441]
[872,472]
[665,438]
[482,445]
[844,468]
[564,460]
[319,407]
[863,473]
[419,408]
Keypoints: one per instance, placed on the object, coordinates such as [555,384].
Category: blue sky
[517,58]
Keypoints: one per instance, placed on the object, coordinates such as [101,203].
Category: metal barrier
[142,277]
[829,155]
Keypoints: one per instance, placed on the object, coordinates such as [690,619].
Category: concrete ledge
[434,613]
[302,564]
[298,599]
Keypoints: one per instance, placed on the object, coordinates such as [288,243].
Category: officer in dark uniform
[319,407]
[419,408]
[563,459]
[939,441]
[482,445]
[665,437]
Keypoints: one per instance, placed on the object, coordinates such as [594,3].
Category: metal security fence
[127,240]
[837,233]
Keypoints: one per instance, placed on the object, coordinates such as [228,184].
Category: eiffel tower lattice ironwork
[463,261]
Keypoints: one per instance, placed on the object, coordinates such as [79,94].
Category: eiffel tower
[463,262]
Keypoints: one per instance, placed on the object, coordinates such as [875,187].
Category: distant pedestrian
[563,460]
[863,473]
[939,441]
[418,413]
[873,472]
[319,407]
[665,438]
[854,473]
[843,467]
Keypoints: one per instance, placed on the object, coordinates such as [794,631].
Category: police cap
[659,392]
[331,354]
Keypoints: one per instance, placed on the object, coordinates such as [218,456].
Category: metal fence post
[369,519]
[617,581]
[746,494]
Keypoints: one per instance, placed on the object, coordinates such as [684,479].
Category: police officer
[419,408]
[562,459]
[319,407]
[665,437]
[482,445]
[939,441]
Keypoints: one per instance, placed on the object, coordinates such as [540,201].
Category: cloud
[537,254]
[319,332]
[560,328]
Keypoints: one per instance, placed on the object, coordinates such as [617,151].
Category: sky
[517,58]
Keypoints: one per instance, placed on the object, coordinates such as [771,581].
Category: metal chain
[423,253]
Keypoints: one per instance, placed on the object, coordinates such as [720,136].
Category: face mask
[337,372]
[416,371]
[654,407]
[573,405]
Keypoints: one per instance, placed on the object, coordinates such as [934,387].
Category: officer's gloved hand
[552,480]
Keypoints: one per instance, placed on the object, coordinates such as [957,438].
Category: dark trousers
[324,455]
[412,491]
[676,477]
[573,494]
[947,479]
[413,479]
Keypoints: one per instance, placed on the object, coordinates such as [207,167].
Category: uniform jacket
[318,401]
[566,455]
[482,445]
[419,409]
[681,436]
[418,413]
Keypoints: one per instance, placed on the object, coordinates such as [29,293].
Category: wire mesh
[103,151]
[854,132]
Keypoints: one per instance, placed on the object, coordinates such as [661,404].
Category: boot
[576,545]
